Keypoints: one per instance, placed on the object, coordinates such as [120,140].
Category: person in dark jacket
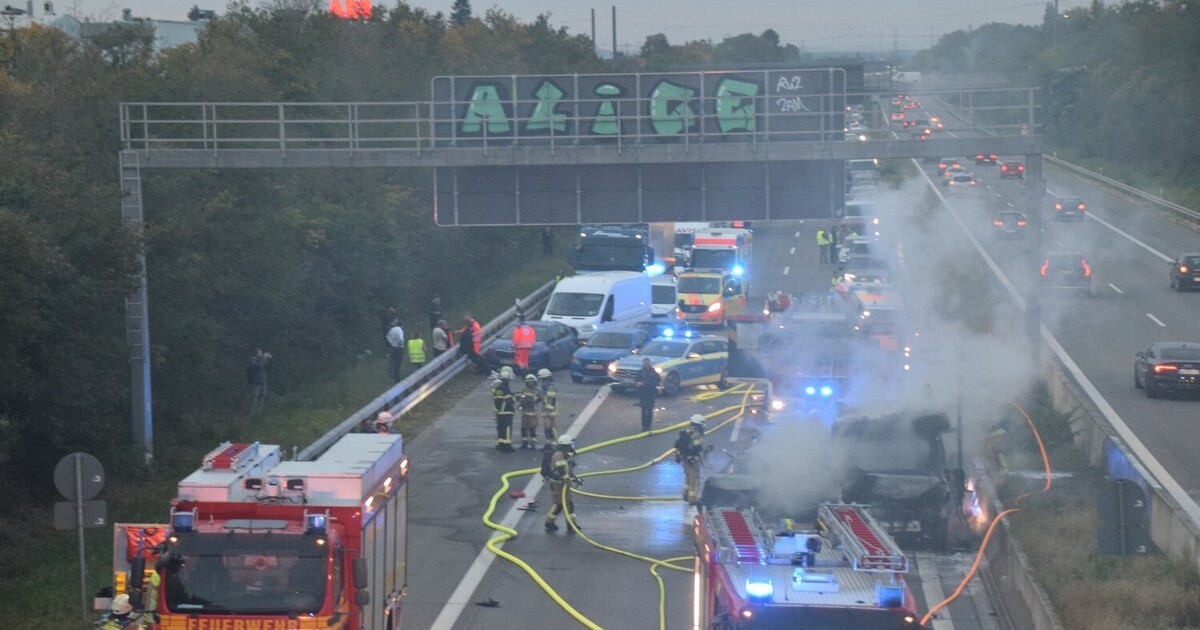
[435,310]
[648,381]
[256,376]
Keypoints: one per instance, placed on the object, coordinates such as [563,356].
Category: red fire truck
[845,574]
[255,542]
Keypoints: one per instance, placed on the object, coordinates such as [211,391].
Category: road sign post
[79,477]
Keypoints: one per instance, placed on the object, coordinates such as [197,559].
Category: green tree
[460,12]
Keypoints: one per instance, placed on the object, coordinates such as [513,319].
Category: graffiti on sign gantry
[658,107]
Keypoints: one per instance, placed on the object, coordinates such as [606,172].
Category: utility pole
[594,51]
[614,24]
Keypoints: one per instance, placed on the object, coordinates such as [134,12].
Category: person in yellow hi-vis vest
[825,244]
[416,352]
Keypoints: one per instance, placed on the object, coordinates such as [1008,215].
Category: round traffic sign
[84,486]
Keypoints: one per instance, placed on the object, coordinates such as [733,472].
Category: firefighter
[561,475]
[504,405]
[528,401]
[549,404]
[524,337]
[120,615]
[689,451]
[383,422]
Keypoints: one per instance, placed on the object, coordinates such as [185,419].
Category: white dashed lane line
[786,270]
[793,251]
[1114,288]
[797,234]
[1155,320]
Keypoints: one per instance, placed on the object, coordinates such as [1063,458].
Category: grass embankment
[1058,532]
[39,587]
[1181,189]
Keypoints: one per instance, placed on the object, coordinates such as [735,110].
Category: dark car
[986,158]
[1168,366]
[1067,271]
[1010,224]
[1185,272]
[1012,170]
[1069,208]
[603,347]
[553,345]
[947,163]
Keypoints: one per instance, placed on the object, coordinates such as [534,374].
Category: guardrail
[1141,194]
[420,384]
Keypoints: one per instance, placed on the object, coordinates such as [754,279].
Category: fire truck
[844,574]
[257,542]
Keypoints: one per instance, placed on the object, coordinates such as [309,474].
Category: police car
[680,361]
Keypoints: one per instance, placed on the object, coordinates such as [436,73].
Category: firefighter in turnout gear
[561,475]
[528,401]
[120,616]
[689,451]
[549,404]
[504,404]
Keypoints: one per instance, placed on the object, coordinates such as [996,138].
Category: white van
[663,295]
[586,301]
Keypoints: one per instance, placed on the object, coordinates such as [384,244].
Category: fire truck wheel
[671,384]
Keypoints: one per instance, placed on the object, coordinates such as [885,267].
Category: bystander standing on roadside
[395,339]
[469,338]
[256,376]
[441,338]
[416,352]
[435,310]
[547,242]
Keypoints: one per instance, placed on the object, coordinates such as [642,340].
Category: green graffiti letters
[606,122]
[485,107]
[735,105]
[670,110]
[543,116]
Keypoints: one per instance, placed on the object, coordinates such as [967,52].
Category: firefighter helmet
[699,421]
[544,373]
[121,605]
[529,378]
[566,440]
[506,373]
[384,417]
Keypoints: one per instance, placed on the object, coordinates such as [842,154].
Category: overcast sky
[814,24]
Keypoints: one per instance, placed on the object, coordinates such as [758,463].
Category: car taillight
[1159,369]
[1058,206]
[1021,223]
[1082,206]
[1087,269]
[1020,168]
[1045,267]
[998,223]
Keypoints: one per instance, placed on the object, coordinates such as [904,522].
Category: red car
[1012,170]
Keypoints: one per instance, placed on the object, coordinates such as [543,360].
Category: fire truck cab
[257,542]
[845,573]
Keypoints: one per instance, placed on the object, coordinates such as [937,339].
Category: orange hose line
[996,521]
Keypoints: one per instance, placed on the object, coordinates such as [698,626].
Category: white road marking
[1010,204]
[786,270]
[1155,320]
[931,583]
[737,430]
[1114,288]
[797,234]
[461,597]
[1127,235]
[998,193]
[793,251]
[1060,245]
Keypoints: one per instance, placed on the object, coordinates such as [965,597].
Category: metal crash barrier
[408,393]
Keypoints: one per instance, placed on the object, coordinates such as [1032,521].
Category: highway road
[1130,247]
[453,579]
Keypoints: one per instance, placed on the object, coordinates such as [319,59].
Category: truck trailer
[253,541]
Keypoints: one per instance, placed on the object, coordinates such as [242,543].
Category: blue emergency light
[687,333]
[810,391]
[183,521]
[759,589]
[656,270]
[315,523]
[826,391]
[738,270]
[668,332]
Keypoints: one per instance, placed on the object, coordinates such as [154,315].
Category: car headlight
[714,307]
[777,405]
[612,367]
[658,369]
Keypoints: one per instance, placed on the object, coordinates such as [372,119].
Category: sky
[815,25]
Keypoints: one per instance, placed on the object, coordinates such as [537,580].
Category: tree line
[1118,81]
